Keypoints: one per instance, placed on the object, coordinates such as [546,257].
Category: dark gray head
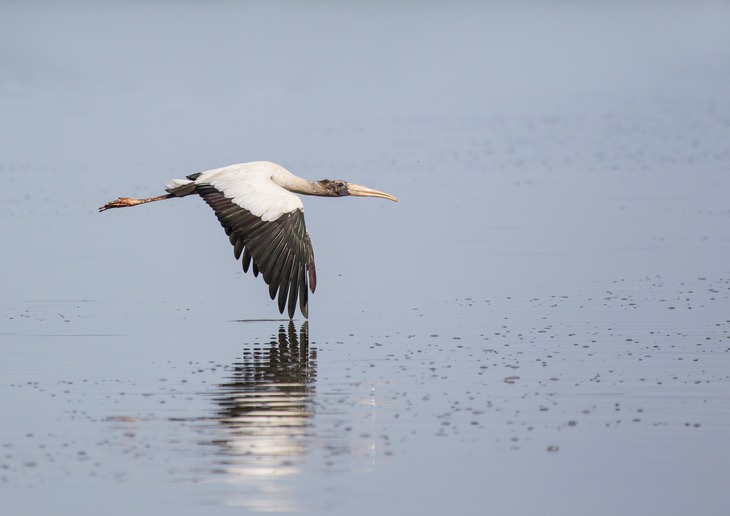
[334,187]
[340,188]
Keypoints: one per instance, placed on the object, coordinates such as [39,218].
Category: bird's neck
[299,185]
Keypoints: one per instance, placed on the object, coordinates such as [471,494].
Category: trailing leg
[124,202]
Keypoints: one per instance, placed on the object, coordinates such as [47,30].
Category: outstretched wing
[280,249]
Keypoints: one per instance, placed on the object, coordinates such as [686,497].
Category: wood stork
[256,205]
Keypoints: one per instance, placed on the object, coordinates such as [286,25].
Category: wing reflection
[266,406]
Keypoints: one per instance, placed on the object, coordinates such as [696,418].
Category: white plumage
[254,186]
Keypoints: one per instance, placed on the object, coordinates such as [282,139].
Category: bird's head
[340,188]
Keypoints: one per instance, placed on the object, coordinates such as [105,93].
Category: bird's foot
[122,202]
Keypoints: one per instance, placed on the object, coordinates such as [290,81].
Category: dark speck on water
[554,279]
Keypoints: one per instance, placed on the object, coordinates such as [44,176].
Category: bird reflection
[265,411]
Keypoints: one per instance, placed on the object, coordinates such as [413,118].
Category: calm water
[540,326]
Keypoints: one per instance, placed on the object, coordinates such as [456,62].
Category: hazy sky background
[481,118]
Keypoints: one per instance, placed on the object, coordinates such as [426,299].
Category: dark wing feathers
[237,246]
[280,249]
[246,260]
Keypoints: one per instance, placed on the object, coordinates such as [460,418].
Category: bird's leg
[124,202]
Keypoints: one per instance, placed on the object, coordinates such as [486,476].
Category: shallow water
[540,326]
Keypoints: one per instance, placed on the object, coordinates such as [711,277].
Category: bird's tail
[180,187]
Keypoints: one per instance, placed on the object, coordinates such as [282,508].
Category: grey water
[541,325]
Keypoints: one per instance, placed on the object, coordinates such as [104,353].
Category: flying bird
[264,220]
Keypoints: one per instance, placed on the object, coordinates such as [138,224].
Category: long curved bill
[364,191]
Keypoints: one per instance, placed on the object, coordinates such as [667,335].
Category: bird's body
[263,188]
[264,219]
